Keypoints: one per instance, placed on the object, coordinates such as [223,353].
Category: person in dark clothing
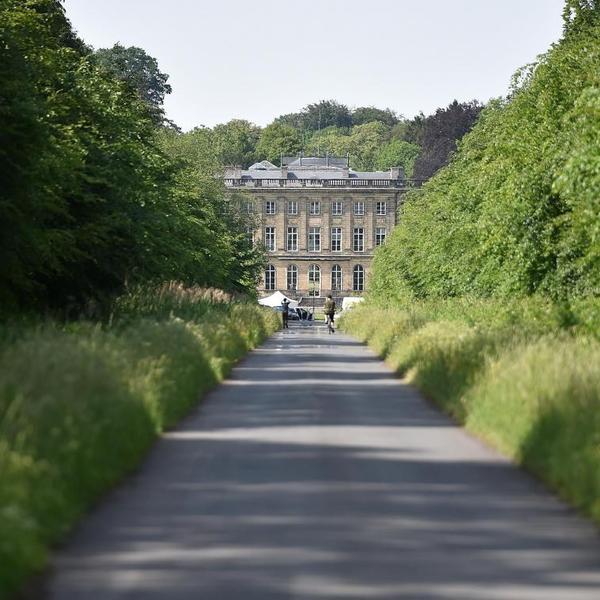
[329,310]
[285,304]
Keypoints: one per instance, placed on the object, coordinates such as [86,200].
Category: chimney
[396,173]
[234,172]
[284,172]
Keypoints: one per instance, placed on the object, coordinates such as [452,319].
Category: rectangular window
[314,239]
[379,236]
[292,207]
[336,239]
[270,239]
[381,208]
[336,208]
[270,277]
[358,278]
[359,208]
[250,236]
[315,207]
[292,277]
[249,207]
[270,207]
[358,240]
[292,239]
[336,278]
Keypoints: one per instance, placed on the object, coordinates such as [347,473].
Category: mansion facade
[320,222]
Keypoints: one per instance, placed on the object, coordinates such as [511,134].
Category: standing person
[329,310]
[285,304]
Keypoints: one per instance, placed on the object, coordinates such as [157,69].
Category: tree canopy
[139,70]
[94,195]
[278,139]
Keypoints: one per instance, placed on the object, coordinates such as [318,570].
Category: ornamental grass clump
[519,379]
[540,403]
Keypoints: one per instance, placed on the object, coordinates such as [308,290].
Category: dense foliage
[139,70]
[373,138]
[438,134]
[517,210]
[91,198]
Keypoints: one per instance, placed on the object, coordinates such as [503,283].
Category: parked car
[296,314]
[292,313]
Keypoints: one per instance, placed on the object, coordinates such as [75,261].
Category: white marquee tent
[275,300]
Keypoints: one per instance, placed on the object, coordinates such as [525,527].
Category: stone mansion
[320,222]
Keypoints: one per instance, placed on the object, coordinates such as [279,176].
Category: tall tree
[438,134]
[139,70]
[319,116]
[397,153]
[235,142]
[277,139]
[367,114]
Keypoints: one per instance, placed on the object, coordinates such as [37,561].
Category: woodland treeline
[517,211]
[375,139]
[99,191]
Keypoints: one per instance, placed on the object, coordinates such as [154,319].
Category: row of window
[314,207]
[314,239]
[314,278]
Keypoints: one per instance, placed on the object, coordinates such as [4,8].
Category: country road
[314,473]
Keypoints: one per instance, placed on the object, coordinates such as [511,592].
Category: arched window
[292,277]
[270,277]
[358,278]
[314,280]
[336,278]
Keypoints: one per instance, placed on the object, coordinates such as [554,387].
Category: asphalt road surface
[314,473]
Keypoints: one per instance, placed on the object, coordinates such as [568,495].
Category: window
[336,208]
[250,236]
[336,239]
[249,207]
[315,207]
[359,208]
[379,236]
[292,207]
[381,208]
[314,239]
[292,277]
[270,277]
[270,238]
[336,278]
[358,279]
[270,207]
[292,239]
[314,280]
[358,240]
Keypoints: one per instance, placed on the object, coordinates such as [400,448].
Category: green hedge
[80,405]
[510,373]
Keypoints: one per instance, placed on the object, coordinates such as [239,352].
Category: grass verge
[519,375]
[81,403]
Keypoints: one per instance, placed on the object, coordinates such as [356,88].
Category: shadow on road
[312,475]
